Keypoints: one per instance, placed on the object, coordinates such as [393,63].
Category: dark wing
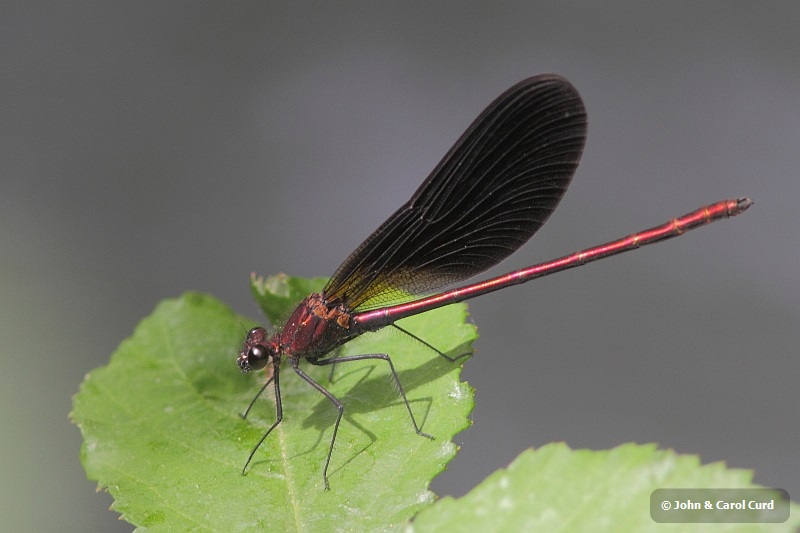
[492,191]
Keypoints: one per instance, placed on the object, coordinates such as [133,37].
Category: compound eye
[256,335]
[257,357]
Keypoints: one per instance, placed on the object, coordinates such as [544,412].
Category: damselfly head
[255,354]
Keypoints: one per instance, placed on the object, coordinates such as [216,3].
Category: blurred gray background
[148,148]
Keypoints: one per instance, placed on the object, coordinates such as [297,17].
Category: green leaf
[163,433]
[556,489]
